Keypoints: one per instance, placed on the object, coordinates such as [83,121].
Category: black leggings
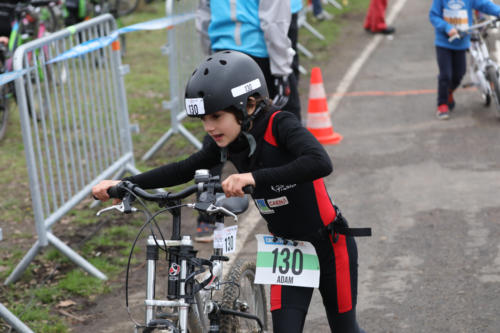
[338,287]
[452,65]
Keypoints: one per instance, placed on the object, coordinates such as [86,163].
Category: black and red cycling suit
[287,165]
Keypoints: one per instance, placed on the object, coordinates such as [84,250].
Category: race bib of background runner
[286,264]
[458,18]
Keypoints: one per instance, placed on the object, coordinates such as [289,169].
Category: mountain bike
[193,301]
[484,71]
[31,20]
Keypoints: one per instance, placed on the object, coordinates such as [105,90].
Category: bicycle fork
[176,283]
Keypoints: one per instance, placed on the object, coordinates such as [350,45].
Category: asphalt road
[429,189]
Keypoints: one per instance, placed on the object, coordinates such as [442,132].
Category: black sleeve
[312,161]
[178,172]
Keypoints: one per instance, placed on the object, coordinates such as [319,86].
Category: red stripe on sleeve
[268,136]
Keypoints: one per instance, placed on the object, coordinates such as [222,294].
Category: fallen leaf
[65,304]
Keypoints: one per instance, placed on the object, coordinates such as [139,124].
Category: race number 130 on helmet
[224,79]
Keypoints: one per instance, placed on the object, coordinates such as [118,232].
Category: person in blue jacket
[447,17]
[293,34]
[258,28]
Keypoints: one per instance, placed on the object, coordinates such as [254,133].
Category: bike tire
[495,87]
[254,295]
[50,19]
[126,7]
[4,111]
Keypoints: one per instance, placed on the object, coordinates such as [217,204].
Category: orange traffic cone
[318,119]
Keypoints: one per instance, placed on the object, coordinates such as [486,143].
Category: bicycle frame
[18,36]
[189,284]
[480,62]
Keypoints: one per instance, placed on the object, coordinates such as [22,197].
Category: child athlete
[447,16]
[274,153]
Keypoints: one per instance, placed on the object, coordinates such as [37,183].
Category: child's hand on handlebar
[100,191]
[452,32]
[233,185]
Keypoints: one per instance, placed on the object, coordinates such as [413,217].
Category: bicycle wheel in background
[4,110]
[495,87]
[52,17]
[125,7]
[249,298]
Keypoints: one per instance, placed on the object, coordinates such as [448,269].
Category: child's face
[222,126]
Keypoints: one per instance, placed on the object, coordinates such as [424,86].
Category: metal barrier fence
[13,321]
[75,127]
[184,51]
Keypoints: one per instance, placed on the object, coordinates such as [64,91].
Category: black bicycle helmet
[224,79]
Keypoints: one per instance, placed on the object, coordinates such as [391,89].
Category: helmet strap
[245,127]
[251,142]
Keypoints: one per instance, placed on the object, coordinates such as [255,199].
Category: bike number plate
[225,239]
[289,265]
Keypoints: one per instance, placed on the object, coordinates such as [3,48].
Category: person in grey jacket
[258,28]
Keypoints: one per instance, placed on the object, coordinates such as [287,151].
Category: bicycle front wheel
[495,87]
[125,7]
[243,295]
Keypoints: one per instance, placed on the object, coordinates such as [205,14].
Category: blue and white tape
[11,76]
[86,47]
[98,43]
[158,24]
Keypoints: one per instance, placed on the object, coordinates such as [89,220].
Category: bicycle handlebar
[462,32]
[118,191]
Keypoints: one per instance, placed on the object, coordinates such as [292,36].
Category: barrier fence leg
[177,127]
[306,52]
[13,320]
[20,268]
[335,3]
[312,30]
[75,257]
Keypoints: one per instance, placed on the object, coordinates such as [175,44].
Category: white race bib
[225,239]
[286,264]
[456,17]
[195,106]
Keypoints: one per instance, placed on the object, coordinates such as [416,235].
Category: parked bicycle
[484,71]
[191,304]
[31,20]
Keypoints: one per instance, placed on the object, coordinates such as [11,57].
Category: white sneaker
[324,15]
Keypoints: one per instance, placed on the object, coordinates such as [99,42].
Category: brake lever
[120,207]
[215,209]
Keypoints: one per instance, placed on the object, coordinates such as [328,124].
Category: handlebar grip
[452,38]
[249,189]
[116,192]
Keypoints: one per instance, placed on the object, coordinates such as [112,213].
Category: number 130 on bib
[282,264]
